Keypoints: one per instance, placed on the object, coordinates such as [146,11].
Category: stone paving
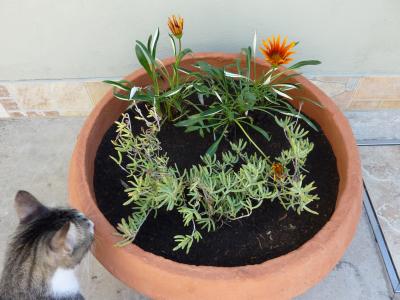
[375,125]
[34,155]
[381,173]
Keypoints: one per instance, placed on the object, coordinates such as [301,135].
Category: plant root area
[269,232]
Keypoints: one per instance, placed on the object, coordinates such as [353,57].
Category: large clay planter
[280,278]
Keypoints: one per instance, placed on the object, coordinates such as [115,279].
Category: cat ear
[28,207]
[65,238]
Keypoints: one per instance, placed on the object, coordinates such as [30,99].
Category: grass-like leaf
[304,63]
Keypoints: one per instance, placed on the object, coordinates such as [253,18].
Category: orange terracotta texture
[280,278]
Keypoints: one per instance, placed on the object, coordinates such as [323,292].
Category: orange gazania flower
[175,24]
[275,52]
[277,171]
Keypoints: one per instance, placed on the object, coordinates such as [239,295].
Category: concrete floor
[34,155]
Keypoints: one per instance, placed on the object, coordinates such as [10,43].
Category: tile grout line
[353,91]
[374,222]
[378,142]
[380,240]
[92,102]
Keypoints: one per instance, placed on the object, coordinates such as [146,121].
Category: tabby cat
[44,251]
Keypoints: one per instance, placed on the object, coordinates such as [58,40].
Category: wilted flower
[277,171]
[275,52]
[175,24]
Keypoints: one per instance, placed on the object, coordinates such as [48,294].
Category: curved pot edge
[78,181]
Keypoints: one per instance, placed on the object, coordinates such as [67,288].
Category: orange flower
[175,24]
[275,52]
[277,170]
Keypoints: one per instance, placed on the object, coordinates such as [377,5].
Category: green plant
[164,101]
[236,95]
[217,190]
[212,192]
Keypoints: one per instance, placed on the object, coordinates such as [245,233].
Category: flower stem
[251,140]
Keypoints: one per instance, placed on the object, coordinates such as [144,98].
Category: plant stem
[254,65]
[251,140]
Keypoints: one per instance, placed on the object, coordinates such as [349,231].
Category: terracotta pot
[279,278]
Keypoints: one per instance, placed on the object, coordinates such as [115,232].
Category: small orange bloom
[175,24]
[277,170]
[275,52]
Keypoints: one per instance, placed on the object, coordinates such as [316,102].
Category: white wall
[51,39]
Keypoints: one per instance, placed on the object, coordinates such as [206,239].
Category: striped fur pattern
[44,251]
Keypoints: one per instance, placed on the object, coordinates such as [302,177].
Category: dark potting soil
[269,232]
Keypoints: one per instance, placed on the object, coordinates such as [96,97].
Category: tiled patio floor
[35,153]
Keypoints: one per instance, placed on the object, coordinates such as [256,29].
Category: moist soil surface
[269,232]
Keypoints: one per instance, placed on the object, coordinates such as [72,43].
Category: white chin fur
[91,227]
[64,282]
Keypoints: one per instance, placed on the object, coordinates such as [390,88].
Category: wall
[47,39]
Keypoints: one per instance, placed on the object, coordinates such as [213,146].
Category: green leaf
[143,59]
[249,96]
[149,41]
[259,130]
[192,120]
[213,148]
[304,63]
[171,37]
[189,72]
[286,86]
[247,53]
[192,128]
[146,98]
[234,75]
[311,101]
[183,53]
[210,112]
[254,44]
[117,84]
[122,97]
[163,70]
[309,122]
[310,210]
[218,96]
[202,89]
[268,80]
[295,114]
[238,67]
[201,125]
[216,73]
[172,92]
[291,113]
[153,46]
[282,94]
[184,70]
[146,50]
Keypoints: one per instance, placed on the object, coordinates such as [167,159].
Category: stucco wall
[48,39]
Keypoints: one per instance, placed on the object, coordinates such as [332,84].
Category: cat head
[62,235]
